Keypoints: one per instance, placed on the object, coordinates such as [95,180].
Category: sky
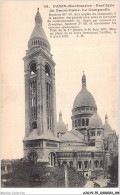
[97,55]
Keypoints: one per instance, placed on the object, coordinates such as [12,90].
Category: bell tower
[40,100]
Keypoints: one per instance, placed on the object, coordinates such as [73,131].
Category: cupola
[38,37]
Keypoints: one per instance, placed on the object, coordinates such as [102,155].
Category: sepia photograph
[59,95]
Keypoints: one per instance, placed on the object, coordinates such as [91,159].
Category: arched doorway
[32,156]
[52,158]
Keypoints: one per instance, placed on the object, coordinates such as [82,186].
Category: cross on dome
[38,18]
[106,118]
[60,116]
[83,80]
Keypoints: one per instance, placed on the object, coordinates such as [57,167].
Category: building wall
[41,60]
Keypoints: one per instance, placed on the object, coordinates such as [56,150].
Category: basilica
[90,146]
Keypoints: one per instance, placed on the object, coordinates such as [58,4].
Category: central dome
[84,98]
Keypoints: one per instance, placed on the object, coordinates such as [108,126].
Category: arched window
[33,98]
[79,122]
[32,156]
[34,125]
[90,164]
[92,133]
[79,165]
[34,42]
[47,70]
[83,122]
[64,162]
[33,68]
[38,42]
[86,164]
[99,133]
[71,164]
[96,163]
[48,106]
[87,122]
[52,158]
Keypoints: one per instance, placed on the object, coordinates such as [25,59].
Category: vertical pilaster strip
[54,105]
[39,121]
[27,112]
[43,98]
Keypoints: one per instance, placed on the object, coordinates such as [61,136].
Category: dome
[95,122]
[84,98]
[61,127]
[107,128]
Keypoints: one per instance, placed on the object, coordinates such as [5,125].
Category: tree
[39,174]
[113,171]
[27,174]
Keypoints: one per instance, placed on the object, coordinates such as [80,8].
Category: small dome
[107,128]
[61,127]
[95,122]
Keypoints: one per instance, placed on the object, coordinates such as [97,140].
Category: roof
[68,136]
[84,98]
[107,129]
[77,133]
[95,121]
[61,127]
[46,136]
[38,31]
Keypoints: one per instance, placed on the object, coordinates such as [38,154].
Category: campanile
[40,100]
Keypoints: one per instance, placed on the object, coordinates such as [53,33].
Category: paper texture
[82,38]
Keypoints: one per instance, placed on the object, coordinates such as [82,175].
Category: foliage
[28,174]
[56,178]
[113,171]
